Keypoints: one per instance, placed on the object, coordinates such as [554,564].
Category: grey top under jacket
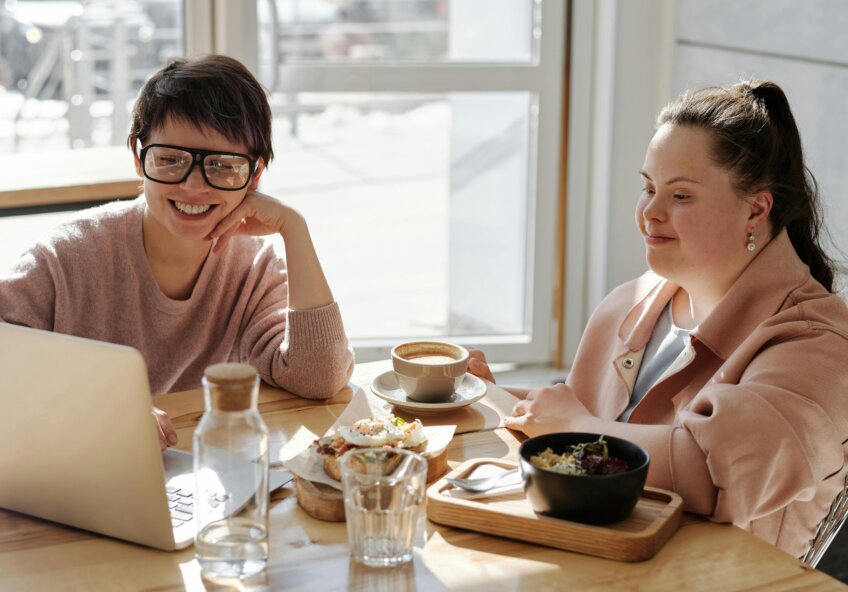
[667,342]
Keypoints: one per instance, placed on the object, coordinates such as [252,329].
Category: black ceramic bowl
[592,499]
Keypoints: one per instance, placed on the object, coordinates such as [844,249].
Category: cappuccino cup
[429,371]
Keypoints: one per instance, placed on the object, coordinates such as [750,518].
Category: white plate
[470,390]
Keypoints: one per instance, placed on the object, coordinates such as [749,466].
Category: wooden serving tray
[638,537]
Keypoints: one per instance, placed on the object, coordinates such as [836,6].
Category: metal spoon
[481,484]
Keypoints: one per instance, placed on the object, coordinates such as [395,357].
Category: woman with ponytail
[728,361]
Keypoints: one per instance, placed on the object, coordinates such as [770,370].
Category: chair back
[828,528]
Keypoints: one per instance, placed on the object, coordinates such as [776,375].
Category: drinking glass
[384,493]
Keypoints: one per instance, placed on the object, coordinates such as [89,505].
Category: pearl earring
[751,245]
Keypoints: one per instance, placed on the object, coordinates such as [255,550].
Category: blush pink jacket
[750,425]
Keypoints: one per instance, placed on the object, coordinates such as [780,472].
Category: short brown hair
[212,91]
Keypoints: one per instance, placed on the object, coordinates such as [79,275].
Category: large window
[421,139]
[69,71]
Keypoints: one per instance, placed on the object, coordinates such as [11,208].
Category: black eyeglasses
[227,171]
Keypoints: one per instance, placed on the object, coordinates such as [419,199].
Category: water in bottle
[231,475]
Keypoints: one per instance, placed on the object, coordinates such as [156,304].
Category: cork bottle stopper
[231,386]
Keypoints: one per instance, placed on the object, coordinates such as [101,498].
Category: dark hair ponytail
[757,141]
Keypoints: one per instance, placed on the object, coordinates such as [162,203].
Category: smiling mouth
[654,239]
[191,209]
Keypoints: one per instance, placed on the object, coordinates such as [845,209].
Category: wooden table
[310,555]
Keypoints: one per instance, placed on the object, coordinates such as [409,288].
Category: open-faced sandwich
[383,432]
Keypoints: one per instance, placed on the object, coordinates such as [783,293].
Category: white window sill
[90,174]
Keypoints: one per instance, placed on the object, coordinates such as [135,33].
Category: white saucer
[470,390]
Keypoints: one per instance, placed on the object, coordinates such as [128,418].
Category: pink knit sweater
[91,278]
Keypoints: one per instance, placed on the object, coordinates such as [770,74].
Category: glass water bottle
[231,475]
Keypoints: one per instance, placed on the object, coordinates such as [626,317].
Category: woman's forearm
[308,287]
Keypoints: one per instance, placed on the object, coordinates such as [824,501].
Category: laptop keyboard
[181,505]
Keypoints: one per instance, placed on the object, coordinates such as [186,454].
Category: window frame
[226,27]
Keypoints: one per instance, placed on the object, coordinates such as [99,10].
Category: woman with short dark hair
[184,273]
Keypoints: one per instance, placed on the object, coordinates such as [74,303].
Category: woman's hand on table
[167,433]
[478,366]
[546,410]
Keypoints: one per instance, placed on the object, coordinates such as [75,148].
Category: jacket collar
[756,295]
[638,325]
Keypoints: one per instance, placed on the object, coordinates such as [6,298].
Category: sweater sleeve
[28,291]
[772,438]
[305,352]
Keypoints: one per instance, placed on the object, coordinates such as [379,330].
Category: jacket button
[627,363]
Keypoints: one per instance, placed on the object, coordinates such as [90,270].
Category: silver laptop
[79,444]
